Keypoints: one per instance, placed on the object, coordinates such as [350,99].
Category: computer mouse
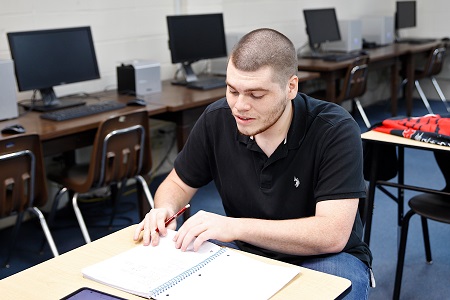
[137,102]
[13,129]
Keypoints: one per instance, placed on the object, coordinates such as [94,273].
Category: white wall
[125,30]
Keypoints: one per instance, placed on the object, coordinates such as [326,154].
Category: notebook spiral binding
[177,279]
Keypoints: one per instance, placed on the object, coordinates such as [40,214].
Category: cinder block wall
[125,30]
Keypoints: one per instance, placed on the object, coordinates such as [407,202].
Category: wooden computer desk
[175,103]
[378,138]
[61,275]
[59,137]
[390,56]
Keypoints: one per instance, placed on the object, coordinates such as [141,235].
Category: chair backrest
[121,149]
[434,62]
[355,81]
[22,175]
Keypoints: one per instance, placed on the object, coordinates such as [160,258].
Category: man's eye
[256,96]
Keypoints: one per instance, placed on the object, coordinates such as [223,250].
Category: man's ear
[292,86]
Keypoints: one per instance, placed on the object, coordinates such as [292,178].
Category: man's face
[256,101]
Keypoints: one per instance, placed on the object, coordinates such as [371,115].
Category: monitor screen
[196,37]
[47,58]
[321,26]
[405,14]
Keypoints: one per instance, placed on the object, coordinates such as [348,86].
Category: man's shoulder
[216,113]
[328,112]
[218,105]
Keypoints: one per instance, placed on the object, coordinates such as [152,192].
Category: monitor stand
[50,102]
[189,75]
[38,105]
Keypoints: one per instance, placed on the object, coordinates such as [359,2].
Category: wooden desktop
[390,56]
[60,276]
[59,137]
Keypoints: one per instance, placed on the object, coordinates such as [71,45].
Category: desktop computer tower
[378,29]
[8,97]
[139,77]
[351,37]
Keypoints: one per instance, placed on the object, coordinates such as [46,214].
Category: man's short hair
[266,47]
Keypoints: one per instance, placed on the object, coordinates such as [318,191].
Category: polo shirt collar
[297,130]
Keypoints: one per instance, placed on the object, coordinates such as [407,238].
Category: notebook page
[233,275]
[143,268]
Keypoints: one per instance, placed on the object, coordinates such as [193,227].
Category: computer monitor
[195,37]
[321,26]
[47,58]
[405,14]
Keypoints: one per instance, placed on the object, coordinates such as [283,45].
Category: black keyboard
[341,56]
[207,83]
[416,41]
[82,111]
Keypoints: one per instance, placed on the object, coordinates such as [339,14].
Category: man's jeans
[347,266]
[340,264]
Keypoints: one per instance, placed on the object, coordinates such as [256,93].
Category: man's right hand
[154,219]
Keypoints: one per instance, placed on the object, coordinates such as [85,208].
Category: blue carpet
[420,281]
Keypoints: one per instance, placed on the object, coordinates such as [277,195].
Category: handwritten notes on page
[164,272]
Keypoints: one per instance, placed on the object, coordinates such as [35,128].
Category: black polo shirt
[321,159]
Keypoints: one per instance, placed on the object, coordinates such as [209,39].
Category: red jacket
[430,128]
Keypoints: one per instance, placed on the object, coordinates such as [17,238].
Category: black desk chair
[432,67]
[121,151]
[23,187]
[353,86]
[428,206]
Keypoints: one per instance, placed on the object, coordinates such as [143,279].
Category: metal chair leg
[80,219]
[144,197]
[426,240]
[56,199]
[401,254]
[362,112]
[424,98]
[51,216]
[47,233]
[16,230]
[440,93]
[146,190]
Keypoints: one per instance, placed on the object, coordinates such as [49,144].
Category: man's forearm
[173,193]
[327,232]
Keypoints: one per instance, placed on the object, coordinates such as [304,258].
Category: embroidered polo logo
[296,182]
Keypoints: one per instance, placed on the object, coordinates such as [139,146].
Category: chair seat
[432,206]
[420,74]
[74,178]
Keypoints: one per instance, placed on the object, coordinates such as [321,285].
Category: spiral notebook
[212,272]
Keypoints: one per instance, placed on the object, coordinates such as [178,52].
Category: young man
[288,169]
